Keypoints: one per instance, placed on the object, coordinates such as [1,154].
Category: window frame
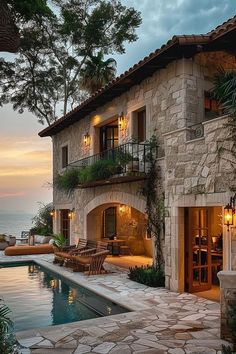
[64,156]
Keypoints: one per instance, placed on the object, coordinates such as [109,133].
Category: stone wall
[193,170]
[227,303]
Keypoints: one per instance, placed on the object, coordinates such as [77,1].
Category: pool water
[38,297]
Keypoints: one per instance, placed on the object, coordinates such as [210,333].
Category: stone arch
[114,197]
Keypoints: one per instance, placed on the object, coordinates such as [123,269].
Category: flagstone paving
[161,321]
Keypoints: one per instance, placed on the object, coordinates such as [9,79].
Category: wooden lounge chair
[68,258]
[70,250]
[92,264]
[99,246]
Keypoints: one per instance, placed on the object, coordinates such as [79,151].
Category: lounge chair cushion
[23,250]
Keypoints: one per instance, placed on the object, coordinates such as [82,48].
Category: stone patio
[161,321]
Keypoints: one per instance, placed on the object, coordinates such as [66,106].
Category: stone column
[227,301]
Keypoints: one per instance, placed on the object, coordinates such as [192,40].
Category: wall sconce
[71,213]
[229,212]
[122,121]
[122,208]
[52,212]
[86,139]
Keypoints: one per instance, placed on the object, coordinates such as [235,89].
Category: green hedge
[148,275]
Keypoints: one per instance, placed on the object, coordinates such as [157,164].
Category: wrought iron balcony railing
[130,161]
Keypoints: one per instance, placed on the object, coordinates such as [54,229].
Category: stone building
[166,95]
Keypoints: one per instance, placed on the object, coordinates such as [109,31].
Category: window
[212,107]
[109,222]
[139,125]
[109,136]
[64,156]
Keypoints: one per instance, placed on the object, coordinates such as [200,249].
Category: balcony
[126,163]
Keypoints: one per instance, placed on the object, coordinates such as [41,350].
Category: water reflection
[39,298]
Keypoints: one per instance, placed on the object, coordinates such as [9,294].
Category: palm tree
[224,91]
[97,72]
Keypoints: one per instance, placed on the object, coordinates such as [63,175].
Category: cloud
[164,18]
[11,195]
[18,171]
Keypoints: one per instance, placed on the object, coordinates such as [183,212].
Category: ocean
[14,223]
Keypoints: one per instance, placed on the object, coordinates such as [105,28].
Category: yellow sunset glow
[25,165]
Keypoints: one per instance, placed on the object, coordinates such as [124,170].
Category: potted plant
[59,242]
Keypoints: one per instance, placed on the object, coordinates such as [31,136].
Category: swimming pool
[38,297]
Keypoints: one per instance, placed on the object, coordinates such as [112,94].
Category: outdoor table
[113,243]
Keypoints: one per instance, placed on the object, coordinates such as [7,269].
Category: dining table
[115,244]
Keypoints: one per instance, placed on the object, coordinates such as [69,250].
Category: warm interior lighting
[87,139]
[228,216]
[52,212]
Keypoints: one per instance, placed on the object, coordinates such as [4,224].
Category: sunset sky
[25,158]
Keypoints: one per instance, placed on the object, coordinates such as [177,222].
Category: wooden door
[65,223]
[198,250]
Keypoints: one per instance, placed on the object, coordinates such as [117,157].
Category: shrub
[7,338]
[102,169]
[68,181]
[85,174]
[149,275]
[42,221]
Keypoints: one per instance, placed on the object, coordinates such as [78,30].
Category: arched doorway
[124,228]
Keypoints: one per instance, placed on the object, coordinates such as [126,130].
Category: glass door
[109,137]
[198,250]
[65,223]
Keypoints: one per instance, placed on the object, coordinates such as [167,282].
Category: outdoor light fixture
[229,212]
[86,139]
[122,121]
[52,212]
[70,213]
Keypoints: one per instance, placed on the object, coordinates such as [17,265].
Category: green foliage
[123,157]
[84,174]
[97,72]
[99,170]
[42,221]
[155,204]
[102,169]
[45,74]
[224,91]
[148,275]
[28,9]
[59,241]
[68,181]
[6,336]
[2,238]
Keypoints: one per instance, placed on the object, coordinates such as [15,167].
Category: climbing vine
[155,205]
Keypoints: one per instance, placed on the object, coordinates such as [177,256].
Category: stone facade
[196,171]
[228,303]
